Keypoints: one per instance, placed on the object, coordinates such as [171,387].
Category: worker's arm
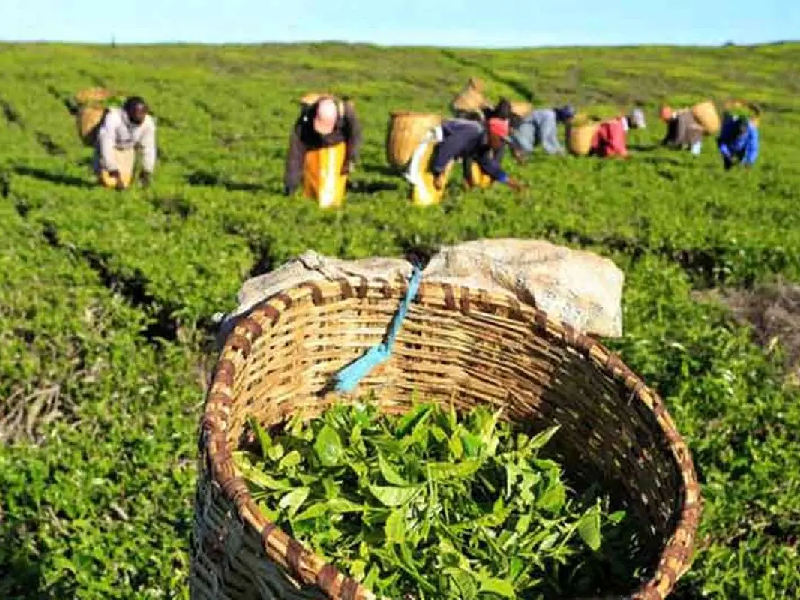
[727,121]
[293,173]
[354,133]
[723,148]
[106,139]
[751,150]
[492,168]
[148,145]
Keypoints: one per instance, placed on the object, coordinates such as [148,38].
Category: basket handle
[349,377]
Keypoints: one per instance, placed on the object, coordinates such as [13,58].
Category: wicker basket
[404,133]
[89,115]
[706,114]
[456,345]
[580,132]
[521,109]
[471,98]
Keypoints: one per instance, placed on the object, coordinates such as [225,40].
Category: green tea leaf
[589,528]
[264,440]
[466,586]
[552,500]
[275,452]
[393,496]
[262,480]
[389,473]
[500,587]
[617,517]
[411,419]
[395,529]
[313,511]
[472,444]
[441,471]
[292,459]
[328,446]
[292,501]
[541,439]
[342,505]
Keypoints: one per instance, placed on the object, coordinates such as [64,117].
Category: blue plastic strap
[350,376]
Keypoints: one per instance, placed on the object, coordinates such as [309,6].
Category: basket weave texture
[521,109]
[458,345]
[470,99]
[405,132]
[580,134]
[706,114]
[90,112]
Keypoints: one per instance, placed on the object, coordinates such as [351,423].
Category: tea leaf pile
[428,505]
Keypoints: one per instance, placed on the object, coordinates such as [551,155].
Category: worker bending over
[121,132]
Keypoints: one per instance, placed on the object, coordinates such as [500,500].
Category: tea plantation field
[106,299]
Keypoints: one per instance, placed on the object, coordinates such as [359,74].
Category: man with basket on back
[118,135]
[683,130]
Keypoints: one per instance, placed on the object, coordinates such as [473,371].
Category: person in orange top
[610,138]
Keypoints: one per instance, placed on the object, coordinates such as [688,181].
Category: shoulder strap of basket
[348,378]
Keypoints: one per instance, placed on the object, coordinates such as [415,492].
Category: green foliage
[437,505]
[106,298]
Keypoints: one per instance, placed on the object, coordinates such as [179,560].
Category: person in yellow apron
[478,144]
[323,148]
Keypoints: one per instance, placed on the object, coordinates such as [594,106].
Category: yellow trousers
[322,175]
[478,177]
[126,159]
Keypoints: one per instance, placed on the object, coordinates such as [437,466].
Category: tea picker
[324,146]
[116,133]
[540,127]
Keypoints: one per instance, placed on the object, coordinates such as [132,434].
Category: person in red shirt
[611,137]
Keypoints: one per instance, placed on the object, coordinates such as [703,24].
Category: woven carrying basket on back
[521,109]
[706,114]
[456,345]
[404,133]
[470,99]
[89,115]
[580,132]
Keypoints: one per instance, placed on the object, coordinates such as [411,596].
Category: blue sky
[492,23]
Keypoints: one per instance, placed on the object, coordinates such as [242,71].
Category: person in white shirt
[122,131]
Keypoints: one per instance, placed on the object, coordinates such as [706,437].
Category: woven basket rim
[414,113]
[309,568]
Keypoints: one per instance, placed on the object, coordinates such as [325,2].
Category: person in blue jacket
[738,141]
[473,141]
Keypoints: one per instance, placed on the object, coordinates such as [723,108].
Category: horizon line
[113,42]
